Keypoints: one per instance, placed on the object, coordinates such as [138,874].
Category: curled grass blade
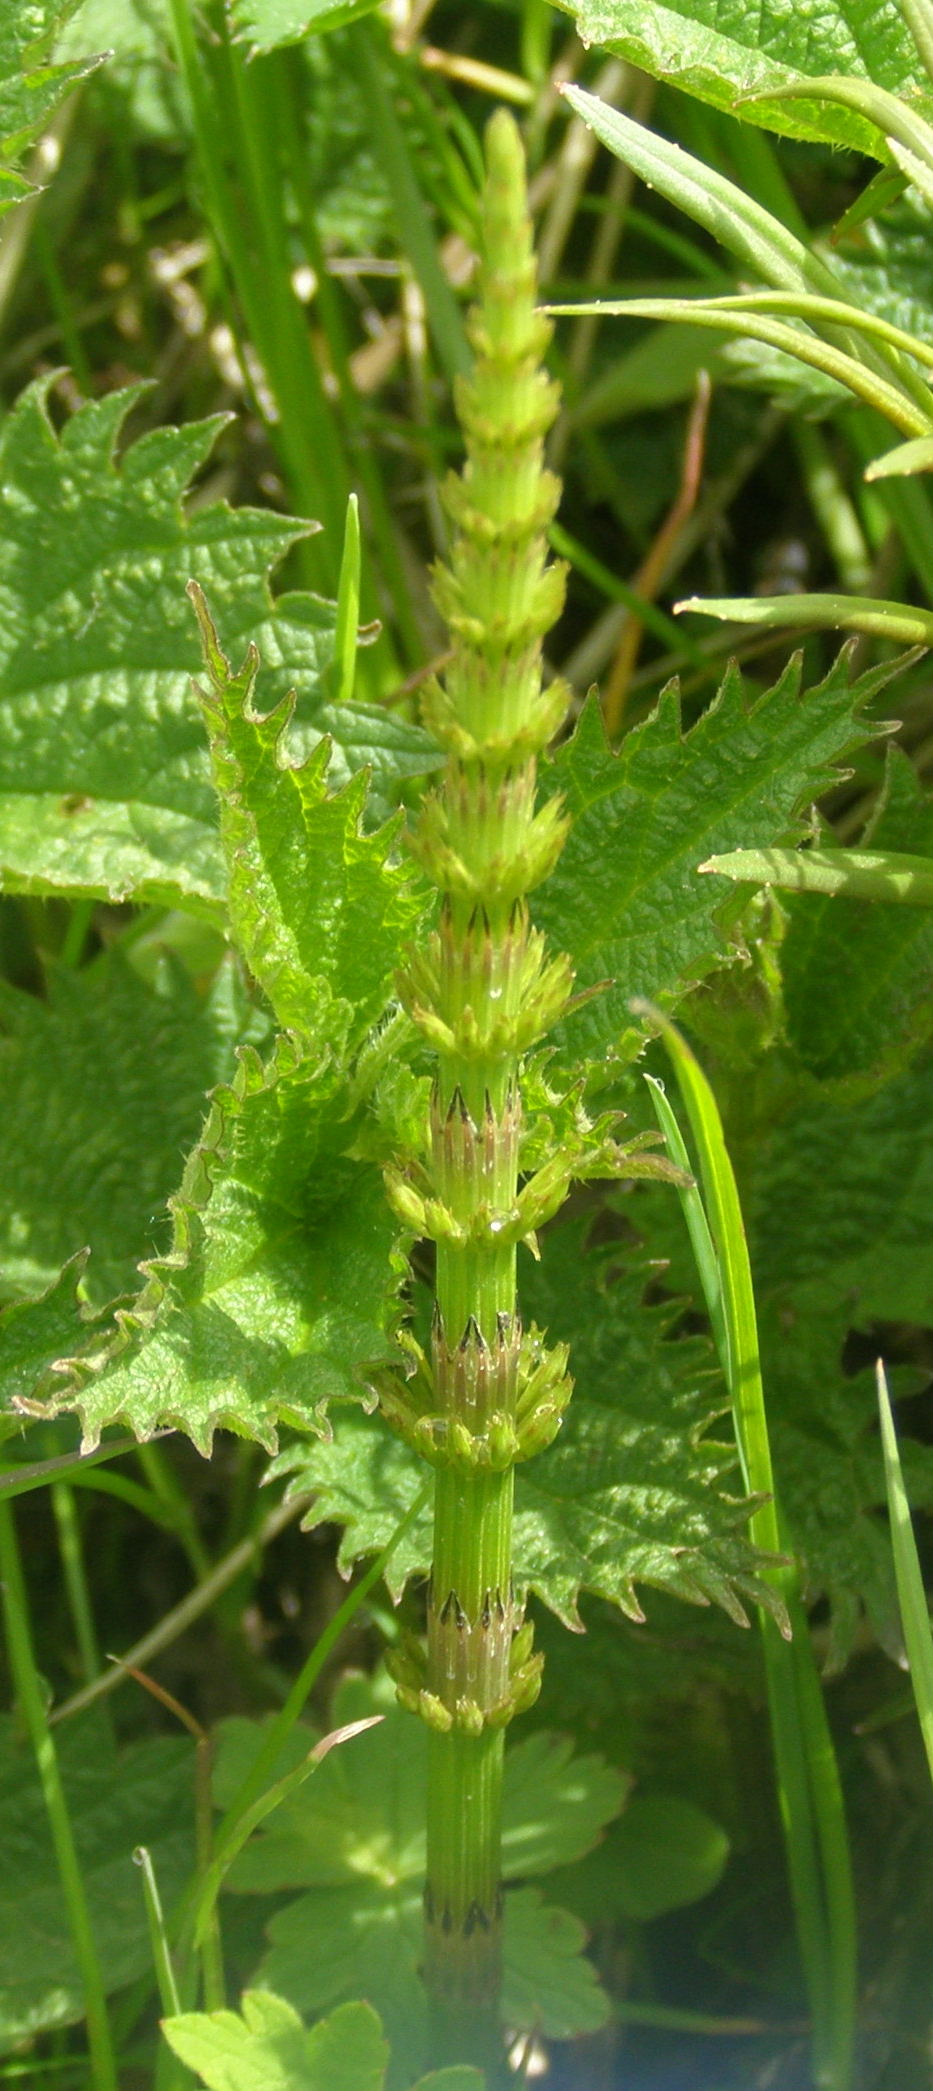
[896,121]
[757,239]
[904,460]
[228,1836]
[865,384]
[817,613]
[856,874]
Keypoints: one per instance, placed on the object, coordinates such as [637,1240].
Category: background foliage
[231,294]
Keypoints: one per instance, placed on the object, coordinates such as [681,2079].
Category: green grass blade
[212,1880]
[415,231]
[903,461]
[253,1784]
[694,1213]
[809,1790]
[616,590]
[915,1617]
[165,1973]
[727,1235]
[31,1696]
[348,605]
[866,874]
[761,244]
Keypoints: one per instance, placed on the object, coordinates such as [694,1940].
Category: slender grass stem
[413,223]
[29,1691]
[809,1788]
[69,1542]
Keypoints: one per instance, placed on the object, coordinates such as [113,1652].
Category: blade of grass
[414,227]
[809,1791]
[915,1617]
[285,1719]
[76,1585]
[183,1615]
[694,1212]
[758,240]
[212,1879]
[161,1957]
[31,1696]
[253,249]
[348,604]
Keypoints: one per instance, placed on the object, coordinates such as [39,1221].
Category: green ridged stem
[483,992]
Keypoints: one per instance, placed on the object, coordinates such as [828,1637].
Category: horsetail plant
[483,993]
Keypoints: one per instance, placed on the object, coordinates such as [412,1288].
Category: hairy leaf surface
[105,783]
[105,1087]
[722,49]
[279,1281]
[312,899]
[626,900]
[858,980]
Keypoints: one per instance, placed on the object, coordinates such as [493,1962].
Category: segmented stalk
[483,992]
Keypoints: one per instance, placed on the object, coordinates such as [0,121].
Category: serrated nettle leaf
[280,1281]
[311,898]
[105,784]
[632,1492]
[265,2047]
[839,1211]
[857,980]
[267,23]
[32,83]
[625,900]
[117,1800]
[105,1083]
[720,53]
[34,1334]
